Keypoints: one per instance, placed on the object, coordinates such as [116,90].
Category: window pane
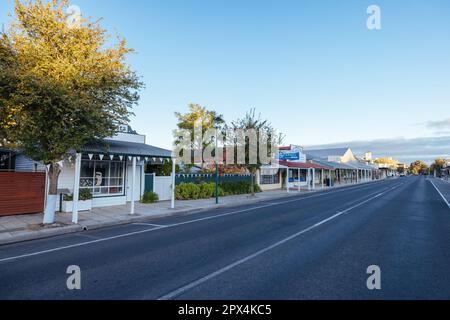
[115,190]
[117,169]
[86,182]
[87,169]
[116,182]
[101,173]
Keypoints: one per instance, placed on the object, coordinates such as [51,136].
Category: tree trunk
[50,205]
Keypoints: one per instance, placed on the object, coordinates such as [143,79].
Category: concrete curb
[49,233]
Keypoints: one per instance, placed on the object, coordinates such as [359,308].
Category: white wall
[136,138]
[24,164]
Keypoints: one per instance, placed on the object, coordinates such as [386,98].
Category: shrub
[241,187]
[204,190]
[149,197]
[85,194]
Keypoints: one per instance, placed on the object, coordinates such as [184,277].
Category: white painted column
[76,188]
[172,202]
[287,180]
[299,187]
[133,182]
[313,179]
[321,177]
[330,179]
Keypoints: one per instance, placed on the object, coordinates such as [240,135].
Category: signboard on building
[295,154]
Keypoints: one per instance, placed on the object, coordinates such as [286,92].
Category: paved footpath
[315,246]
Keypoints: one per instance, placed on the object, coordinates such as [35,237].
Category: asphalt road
[313,246]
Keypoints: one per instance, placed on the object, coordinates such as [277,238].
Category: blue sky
[311,67]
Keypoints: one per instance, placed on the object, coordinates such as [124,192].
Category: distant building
[341,155]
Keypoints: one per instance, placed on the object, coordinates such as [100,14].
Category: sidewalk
[29,227]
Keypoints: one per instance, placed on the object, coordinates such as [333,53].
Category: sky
[311,67]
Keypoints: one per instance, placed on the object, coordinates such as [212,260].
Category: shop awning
[334,165]
[301,165]
[124,148]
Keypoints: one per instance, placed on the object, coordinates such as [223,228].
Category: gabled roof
[125,148]
[325,153]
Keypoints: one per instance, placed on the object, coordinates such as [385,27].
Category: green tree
[163,170]
[418,167]
[186,122]
[438,165]
[60,85]
[264,131]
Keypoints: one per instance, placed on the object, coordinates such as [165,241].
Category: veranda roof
[334,165]
[114,147]
[301,165]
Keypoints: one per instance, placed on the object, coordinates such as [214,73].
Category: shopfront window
[103,177]
[269,177]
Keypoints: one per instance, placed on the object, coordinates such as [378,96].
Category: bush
[149,197]
[241,187]
[85,194]
[204,190]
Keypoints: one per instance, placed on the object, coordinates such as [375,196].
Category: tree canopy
[418,167]
[60,84]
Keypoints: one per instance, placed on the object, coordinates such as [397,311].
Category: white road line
[174,225]
[148,224]
[78,244]
[440,193]
[178,292]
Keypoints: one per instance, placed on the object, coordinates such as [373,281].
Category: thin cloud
[404,150]
[438,125]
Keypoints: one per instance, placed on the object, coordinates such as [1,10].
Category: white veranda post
[313,179]
[76,188]
[172,202]
[287,179]
[133,182]
[299,185]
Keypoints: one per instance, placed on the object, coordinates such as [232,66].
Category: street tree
[61,85]
[418,167]
[438,165]
[265,133]
[197,118]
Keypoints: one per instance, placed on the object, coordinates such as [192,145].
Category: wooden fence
[21,192]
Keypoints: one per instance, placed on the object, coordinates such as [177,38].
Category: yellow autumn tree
[62,83]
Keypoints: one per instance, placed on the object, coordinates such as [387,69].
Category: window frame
[108,186]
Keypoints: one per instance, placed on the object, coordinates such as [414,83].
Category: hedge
[204,190]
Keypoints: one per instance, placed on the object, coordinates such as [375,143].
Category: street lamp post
[217,170]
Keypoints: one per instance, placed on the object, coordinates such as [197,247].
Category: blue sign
[295,155]
[289,155]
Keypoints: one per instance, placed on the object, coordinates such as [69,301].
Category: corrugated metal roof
[360,166]
[325,153]
[125,148]
[301,165]
[334,165]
